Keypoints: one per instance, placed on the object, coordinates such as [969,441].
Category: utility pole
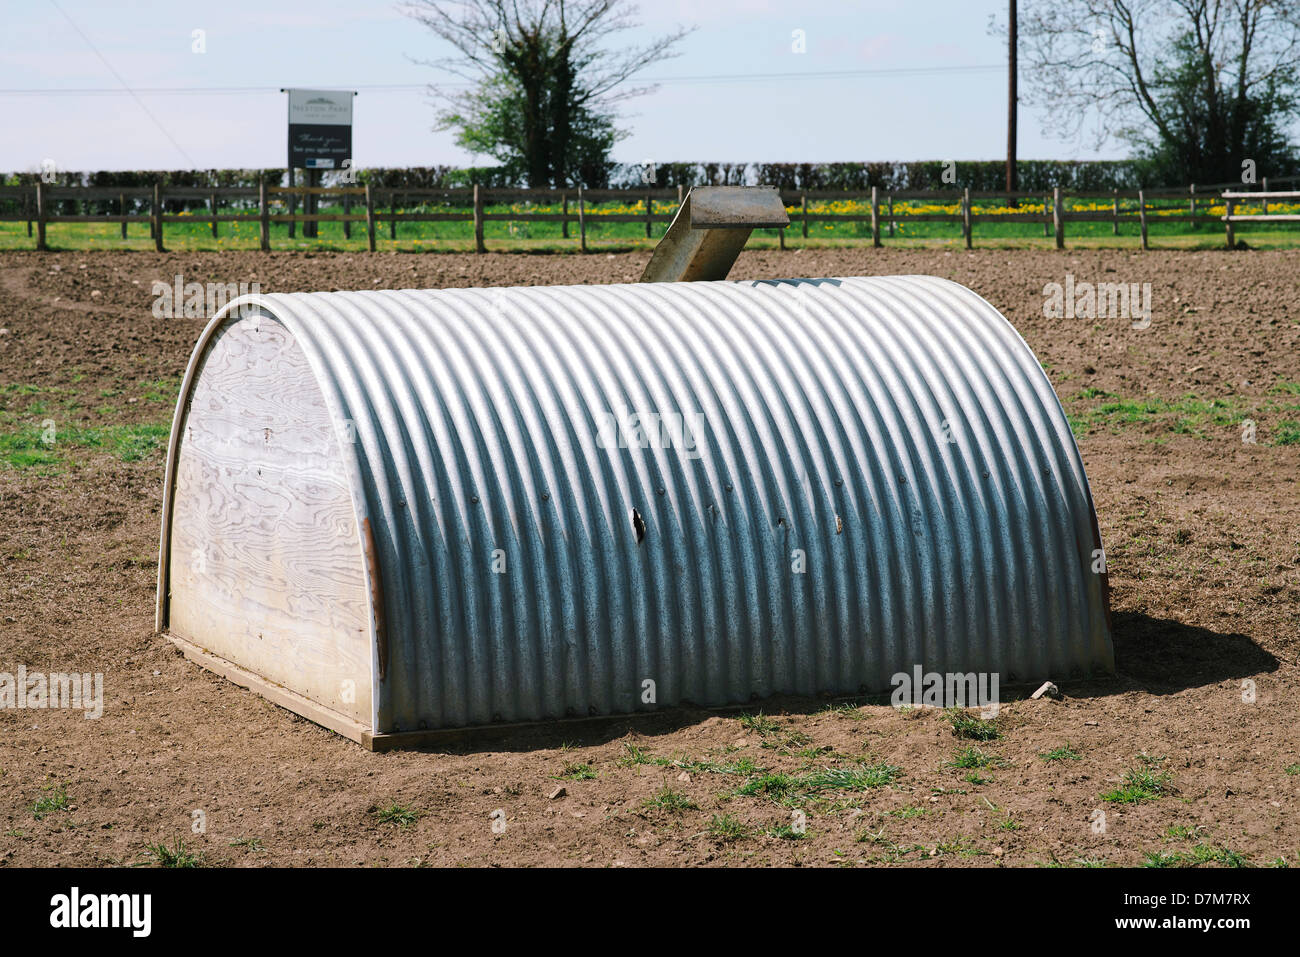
[1013,180]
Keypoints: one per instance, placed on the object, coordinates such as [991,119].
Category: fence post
[157,217]
[1264,184]
[347,211]
[1058,217]
[27,211]
[564,223]
[889,199]
[803,201]
[875,216]
[370,218]
[293,205]
[1114,222]
[582,220]
[121,208]
[1227,222]
[40,216]
[1191,204]
[965,216]
[392,210]
[264,214]
[648,201]
[478,220]
[1142,216]
[212,205]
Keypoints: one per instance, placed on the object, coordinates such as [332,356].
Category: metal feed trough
[398,512]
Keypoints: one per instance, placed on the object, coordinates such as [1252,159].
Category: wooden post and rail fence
[266,205]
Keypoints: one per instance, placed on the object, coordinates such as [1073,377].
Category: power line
[125,89]
[421,87]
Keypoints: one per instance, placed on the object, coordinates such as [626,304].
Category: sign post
[320,138]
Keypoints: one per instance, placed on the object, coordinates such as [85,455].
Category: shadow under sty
[1162,656]
[1156,655]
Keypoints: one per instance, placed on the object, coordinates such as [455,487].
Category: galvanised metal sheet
[871,474]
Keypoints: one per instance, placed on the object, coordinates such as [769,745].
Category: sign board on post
[320,128]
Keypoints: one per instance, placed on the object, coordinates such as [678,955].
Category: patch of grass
[967,725]
[1063,753]
[633,755]
[161,390]
[1200,854]
[760,724]
[907,813]
[796,788]
[726,827]
[576,772]
[843,710]
[778,787]
[674,802]
[26,447]
[1187,415]
[958,845]
[1005,821]
[815,751]
[974,777]
[249,844]
[1292,769]
[1161,859]
[862,777]
[741,766]
[788,832]
[973,757]
[398,815]
[1207,854]
[1141,785]
[131,443]
[56,800]
[785,741]
[178,856]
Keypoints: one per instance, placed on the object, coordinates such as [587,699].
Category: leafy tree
[1197,87]
[543,81]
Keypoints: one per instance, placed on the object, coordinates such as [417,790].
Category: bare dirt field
[1190,756]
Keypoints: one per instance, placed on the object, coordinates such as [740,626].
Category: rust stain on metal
[376,595]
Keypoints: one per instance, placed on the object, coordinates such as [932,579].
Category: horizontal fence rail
[374,208]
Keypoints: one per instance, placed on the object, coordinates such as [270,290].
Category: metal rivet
[546,496]
[474,499]
[661,490]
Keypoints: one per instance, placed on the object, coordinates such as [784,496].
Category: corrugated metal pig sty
[404,511]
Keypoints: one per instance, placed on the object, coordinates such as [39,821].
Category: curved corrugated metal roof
[896,431]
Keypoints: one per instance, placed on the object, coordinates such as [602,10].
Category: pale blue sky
[333,44]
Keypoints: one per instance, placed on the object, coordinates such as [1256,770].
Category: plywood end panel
[266,562]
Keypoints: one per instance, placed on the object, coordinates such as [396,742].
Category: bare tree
[1201,84]
[544,76]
